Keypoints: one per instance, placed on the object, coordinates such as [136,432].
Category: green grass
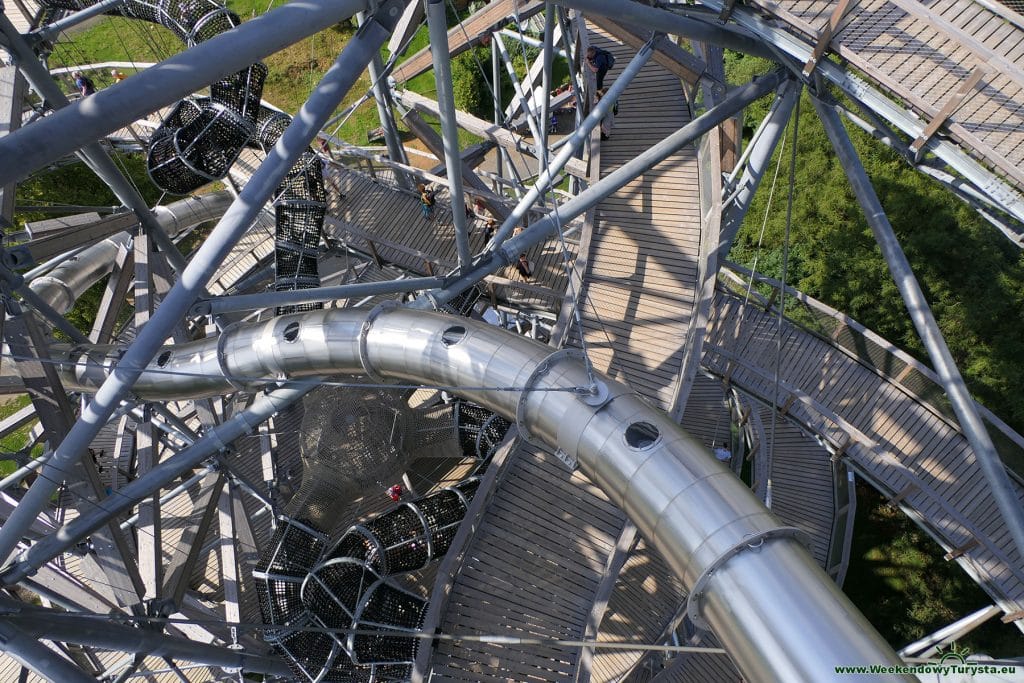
[17,439]
[900,581]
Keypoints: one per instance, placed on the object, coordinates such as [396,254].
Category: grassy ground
[294,71]
[18,439]
[901,582]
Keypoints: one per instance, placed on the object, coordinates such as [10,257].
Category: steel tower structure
[234,391]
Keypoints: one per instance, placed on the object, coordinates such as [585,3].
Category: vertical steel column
[385,112]
[496,94]
[531,117]
[761,150]
[571,57]
[547,55]
[295,140]
[438,25]
[575,142]
[12,96]
[952,381]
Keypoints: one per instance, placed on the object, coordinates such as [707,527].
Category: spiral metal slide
[200,139]
[752,579]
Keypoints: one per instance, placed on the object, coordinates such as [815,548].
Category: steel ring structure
[536,428]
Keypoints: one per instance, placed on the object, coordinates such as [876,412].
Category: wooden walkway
[468,33]
[909,451]
[378,218]
[640,268]
[531,570]
[925,53]
[646,597]
[800,489]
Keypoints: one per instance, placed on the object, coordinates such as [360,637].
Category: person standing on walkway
[599,62]
[426,201]
[84,84]
[608,122]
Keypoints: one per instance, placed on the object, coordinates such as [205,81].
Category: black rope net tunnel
[202,137]
[306,583]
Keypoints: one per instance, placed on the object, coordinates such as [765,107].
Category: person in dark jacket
[599,62]
[84,84]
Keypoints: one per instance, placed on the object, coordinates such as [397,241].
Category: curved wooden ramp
[909,451]
[800,488]
[639,269]
[642,608]
[531,569]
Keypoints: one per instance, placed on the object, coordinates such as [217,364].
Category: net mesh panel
[188,152]
[389,607]
[356,545]
[463,303]
[295,547]
[403,535]
[309,653]
[351,441]
[443,512]
[431,425]
[339,585]
[480,430]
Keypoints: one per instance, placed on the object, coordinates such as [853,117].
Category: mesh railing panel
[189,151]
[352,439]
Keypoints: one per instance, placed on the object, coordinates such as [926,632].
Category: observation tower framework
[209,502]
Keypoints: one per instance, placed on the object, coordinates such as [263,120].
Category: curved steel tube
[779,615]
[68,281]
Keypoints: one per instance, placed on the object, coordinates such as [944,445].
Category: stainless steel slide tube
[779,615]
[64,284]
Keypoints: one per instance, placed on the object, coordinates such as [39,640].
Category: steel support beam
[106,634]
[509,251]
[385,111]
[246,302]
[917,305]
[761,149]
[161,475]
[31,653]
[437,23]
[51,31]
[95,117]
[296,139]
[576,141]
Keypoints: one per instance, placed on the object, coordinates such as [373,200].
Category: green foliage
[76,184]
[17,439]
[973,277]
[898,577]
[469,85]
